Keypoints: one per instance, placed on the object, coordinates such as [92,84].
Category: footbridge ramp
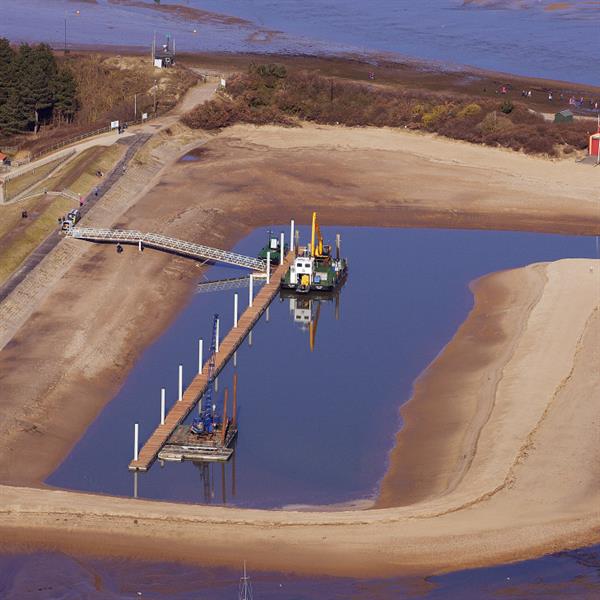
[167,244]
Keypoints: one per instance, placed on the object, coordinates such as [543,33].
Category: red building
[594,145]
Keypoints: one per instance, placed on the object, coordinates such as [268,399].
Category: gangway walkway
[192,395]
[166,244]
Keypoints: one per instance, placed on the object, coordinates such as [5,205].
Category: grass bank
[19,237]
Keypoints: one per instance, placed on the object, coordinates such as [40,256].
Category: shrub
[469,110]
[270,94]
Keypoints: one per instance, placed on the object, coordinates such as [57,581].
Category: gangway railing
[166,244]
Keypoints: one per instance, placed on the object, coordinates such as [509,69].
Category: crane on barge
[315,269]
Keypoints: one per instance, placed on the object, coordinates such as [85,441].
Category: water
[534,42]
[574,575]
[315,427]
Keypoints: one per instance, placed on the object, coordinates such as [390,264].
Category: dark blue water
[566,575]
[315,427]
[536,42]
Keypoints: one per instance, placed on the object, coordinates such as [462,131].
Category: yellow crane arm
[316,233]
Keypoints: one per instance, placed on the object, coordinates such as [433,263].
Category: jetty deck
[227,346]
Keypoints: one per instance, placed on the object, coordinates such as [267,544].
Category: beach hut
[594,144]
[564,116]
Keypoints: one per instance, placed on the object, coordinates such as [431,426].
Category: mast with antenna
[245,587]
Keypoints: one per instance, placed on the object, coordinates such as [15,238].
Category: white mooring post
[180,382]
[140,246]
[268,315]
[216,383]
[251,290]
[235,310]
[217,337]
[162,405]
[281,247]
[292,227]
[136,439]
[235,359]
[250,338]
[268,268]
[200,353]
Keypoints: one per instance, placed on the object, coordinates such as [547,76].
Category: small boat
[272,247]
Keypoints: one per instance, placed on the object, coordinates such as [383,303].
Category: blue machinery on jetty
[208,418]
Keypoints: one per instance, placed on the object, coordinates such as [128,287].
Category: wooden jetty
[227,346]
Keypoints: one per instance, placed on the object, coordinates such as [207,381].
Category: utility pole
[65,31]
[155,97]
[135,107]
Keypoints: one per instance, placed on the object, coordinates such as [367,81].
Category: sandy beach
[519,497]
[520,377]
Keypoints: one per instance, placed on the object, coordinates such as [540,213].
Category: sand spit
[513,496]
[519,496]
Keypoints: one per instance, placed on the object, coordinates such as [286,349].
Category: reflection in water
[306,309]
[225,474]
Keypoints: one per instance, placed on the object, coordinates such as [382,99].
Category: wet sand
[519,498]
[464,515]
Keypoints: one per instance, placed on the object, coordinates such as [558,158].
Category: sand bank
[518,497]
[250,177]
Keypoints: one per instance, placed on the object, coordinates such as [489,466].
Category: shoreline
[474,525]
[211,206]
[473,359]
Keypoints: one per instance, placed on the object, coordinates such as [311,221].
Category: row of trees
[33,89]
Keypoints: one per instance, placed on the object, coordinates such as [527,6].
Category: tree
[7,57]
[65,96]
[13,118]
[37,70]
[33,88]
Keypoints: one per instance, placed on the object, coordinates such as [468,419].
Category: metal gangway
[166,244]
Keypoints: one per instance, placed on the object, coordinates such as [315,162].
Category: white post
[136,439]
[235,359]
[267,314]
[200,355]
[292,235]
[140,246]
[251,290]
[180,382]
[281,247]
[216,383]
[250,338]
[162,405]
[217,336]
[235,310]
[268,267]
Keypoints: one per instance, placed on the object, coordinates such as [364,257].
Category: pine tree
[7,57]
[13,118]
[38,67]
[65,96]
[33,88]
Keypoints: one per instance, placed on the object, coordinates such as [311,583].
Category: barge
[315,269]
[184,444]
